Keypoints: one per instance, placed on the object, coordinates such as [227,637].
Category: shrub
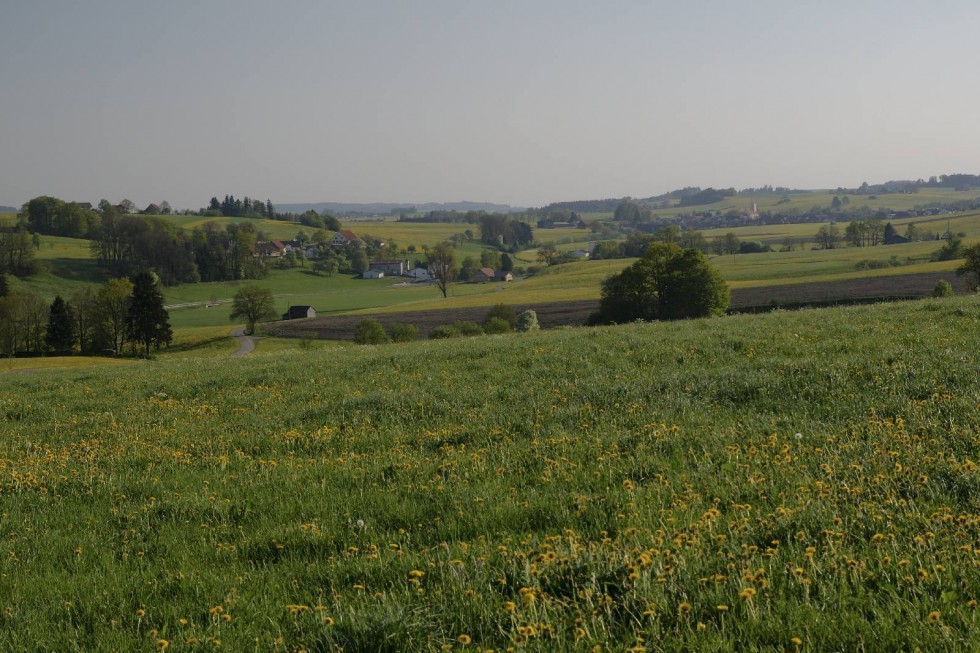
[497,325]
[443,331]
[370,332]
[504,312]
[467,328]
[943,289]
[404,332]
[527,321]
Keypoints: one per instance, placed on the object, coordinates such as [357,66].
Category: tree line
[123,314]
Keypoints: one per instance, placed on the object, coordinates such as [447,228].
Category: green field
[792,481]
[66,266]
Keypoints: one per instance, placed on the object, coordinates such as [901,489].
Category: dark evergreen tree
[147,321]
[60,335]
[270,211]
[4,285]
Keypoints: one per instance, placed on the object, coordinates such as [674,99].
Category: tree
[60,335]
[84,313]
[971,265]
[667,283]
[730,244]
[147,321]
[828,236]
[547,254]
[112,302]
[254,304]
[4,285]
[442,266]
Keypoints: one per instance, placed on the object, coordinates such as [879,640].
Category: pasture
[792,481]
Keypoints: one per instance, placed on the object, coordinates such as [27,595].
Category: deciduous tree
[667,283]
[442,266]
[253,304]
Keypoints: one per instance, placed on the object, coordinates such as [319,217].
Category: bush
[370,332]
[467,328]
[443,331]
[404,332]
[497,325]
[943,289]
[527,321]
[503,312]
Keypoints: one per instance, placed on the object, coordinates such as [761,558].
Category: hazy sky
[523,102]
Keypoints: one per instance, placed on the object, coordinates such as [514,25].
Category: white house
[372,274]
[419,273]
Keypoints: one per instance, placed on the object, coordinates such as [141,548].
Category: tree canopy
[667,283]
[253,304]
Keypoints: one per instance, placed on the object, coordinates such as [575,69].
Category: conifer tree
[147,321]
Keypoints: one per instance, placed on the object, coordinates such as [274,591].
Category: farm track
[555,314]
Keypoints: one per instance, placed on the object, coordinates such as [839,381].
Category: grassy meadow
[795,481]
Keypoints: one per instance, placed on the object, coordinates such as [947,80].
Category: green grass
[815,473]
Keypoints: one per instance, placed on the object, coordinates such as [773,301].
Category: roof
[486,271]
[348,234]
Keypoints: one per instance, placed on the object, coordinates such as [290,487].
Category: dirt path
[246,344]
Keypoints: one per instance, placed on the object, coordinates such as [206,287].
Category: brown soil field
[555,314]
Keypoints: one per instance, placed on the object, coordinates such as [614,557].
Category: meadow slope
[789,481]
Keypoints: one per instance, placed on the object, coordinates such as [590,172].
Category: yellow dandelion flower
[226,617]
[684,607]
[972,603]
[464,639]
[796,641]
[722,608]
[328,621]
[140,613]
[510,606]
[747,594]
[216,610]
[933,617]
[297,609]
[163,644]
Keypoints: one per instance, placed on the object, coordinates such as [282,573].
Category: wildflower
[216,610]
[933,617]
[747,594]
[684,607]
[328,621]
[510,606]
[796,641]
[722,608]
[297,609]
[464,639]
[163,644]
[140,613]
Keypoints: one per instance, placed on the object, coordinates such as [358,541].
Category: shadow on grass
[74,269]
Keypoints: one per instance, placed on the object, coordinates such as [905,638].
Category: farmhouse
[392,268]
[503,276]
[343,238]
[372,274]
[299,312]
[270,249]
[483,274]
[419,273]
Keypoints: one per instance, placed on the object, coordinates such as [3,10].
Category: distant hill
[8,209]
[380,208]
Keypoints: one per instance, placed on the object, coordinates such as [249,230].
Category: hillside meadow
[795,481]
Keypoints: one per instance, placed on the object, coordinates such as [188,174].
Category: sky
[523,102]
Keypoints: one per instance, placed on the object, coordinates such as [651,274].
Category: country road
[245,343]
